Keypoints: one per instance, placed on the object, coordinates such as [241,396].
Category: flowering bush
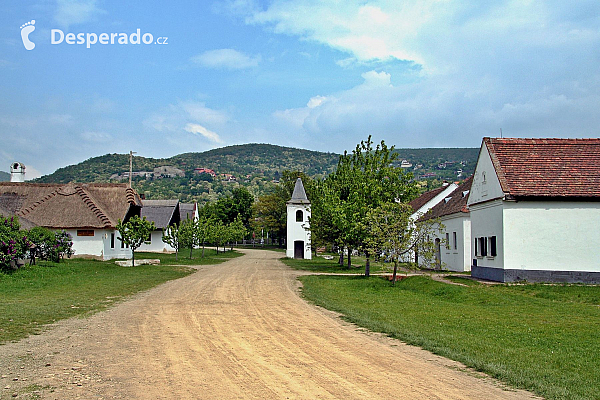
[13,242]
[49,245]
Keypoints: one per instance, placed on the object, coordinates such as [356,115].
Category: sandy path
[237,330]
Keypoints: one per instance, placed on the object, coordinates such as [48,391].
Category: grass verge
[35,296]
[537,337]
[320,264]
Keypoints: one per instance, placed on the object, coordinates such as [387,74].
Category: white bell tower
[298,234]
[17,172]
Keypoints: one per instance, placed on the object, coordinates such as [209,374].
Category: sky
[319,75]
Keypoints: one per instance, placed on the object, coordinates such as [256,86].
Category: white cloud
[226,59]
[96,137]
[198,129]
[73,12]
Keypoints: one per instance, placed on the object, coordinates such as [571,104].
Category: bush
[49,245]
[13,243]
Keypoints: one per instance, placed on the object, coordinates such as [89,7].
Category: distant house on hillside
[535,210]
[88,212]
[453,242]
[168,171]
[205,171]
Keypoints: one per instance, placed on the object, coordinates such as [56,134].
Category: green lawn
[320,264]
[537,337]
[35,296]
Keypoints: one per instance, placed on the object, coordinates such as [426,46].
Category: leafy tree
[391,233]
[188,235]
[218,234]
[362,181]
[236,231]
[13,242]
[202,232]
[135,232]
[171,237]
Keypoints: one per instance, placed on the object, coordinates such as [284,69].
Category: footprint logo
[26,29]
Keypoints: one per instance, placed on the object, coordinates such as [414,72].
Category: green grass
[183,258]
[541,338]
[35,296]
[320,264]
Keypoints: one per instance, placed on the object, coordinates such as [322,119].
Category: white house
[535,210]
[453,242]
[88,212]
[163,213]
[298,214]
[422,204]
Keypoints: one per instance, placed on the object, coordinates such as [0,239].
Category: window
[481,246]
[454,239]
[447,241]
[492,246]
[85,232]
[299,216]
[112,240]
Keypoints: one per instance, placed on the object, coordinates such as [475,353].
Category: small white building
[17,172]
[453,242]
[298,233]
[535,210]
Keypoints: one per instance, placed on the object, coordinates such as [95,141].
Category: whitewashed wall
[486,221]
[156,243]
[297,231]
[488,188]
[458,259]
[98,245]
[552,235]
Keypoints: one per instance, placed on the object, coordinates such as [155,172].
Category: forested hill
[4,176]
[256,166]
[240,161]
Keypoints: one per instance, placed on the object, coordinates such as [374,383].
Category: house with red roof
[422,204]
[453,240]
[535,210]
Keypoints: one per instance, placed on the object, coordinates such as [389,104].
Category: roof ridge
[96,209]
[29,209]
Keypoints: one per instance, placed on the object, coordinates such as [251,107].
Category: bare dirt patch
[237,330]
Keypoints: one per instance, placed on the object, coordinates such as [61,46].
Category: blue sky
[320,75]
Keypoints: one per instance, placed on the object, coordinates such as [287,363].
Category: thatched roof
[187,211]
[74,205]
[162,212]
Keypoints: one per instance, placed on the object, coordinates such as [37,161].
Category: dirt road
[237,330]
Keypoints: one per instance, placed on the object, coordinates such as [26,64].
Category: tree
[236,231]
[391,233]
[171,237]
[218,234]
[188,235]
[362,181]
[135,232]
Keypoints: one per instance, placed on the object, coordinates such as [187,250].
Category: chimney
[17,172]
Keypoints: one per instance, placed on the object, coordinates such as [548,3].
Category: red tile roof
[546,167]
[420,201]
[455,202]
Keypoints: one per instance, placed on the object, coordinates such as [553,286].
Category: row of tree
[362,205]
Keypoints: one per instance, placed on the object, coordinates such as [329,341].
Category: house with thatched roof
[165,213]
[87,211]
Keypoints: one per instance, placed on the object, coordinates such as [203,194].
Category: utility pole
[131,153]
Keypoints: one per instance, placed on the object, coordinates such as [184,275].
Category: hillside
[4,176]
[255,166]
